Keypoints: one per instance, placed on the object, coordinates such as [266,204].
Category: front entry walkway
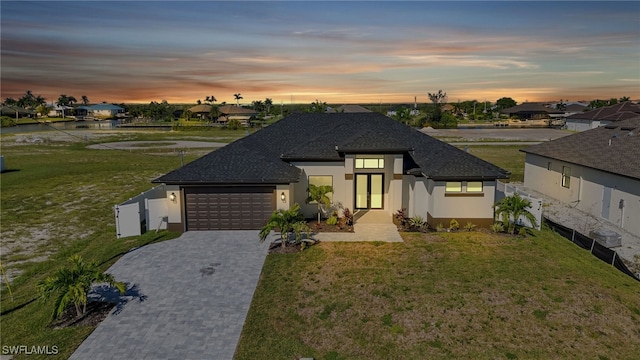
[372,225]
[187,298]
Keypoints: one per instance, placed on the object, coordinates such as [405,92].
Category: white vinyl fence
[147,211]
[505,189]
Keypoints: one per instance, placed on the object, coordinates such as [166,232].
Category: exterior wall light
[172,197]
[283,197]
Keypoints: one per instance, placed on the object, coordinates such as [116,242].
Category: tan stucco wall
[462,206]
[341,188]
[586,190]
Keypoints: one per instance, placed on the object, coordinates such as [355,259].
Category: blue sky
[338,52]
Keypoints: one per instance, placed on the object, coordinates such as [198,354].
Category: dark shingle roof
[611,113]
[263,156]
[530,107]
[613,148]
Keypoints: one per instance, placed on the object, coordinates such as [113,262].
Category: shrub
[8,121]
[522,231]
[234,124]
[400,215]
[440,227]
[469,227]
[332,220]
[497,227]
[417,222]
[454,225]
[347,216]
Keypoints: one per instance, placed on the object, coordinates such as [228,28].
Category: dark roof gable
[264,156]
[616,112]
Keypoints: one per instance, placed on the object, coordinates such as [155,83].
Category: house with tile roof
[596,171]
[606,115]
[230,112]
[371,161]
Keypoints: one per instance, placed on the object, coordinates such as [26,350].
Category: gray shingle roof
[616,112]
[264,156]
[592,149]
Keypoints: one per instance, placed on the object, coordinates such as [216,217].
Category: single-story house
[606,115]
[230,112]
[372,162]
[106,111]
[16,112]
[531,111]
[202,111]
[60,111]
[596,171]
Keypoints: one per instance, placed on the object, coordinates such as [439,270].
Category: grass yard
[57,200]
[508,157]
[464,295]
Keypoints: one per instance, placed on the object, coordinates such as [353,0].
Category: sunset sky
[337,52]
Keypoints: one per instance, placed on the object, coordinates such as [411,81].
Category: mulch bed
[96,312]
[324,227]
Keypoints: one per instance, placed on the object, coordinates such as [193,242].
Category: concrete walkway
[368,226]
[187,298]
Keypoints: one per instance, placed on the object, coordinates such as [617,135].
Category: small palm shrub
[469,227]
[454,225]
[497,227]
[417,222]
[72,285]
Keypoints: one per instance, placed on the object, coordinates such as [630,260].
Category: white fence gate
[506,189]
[141,213]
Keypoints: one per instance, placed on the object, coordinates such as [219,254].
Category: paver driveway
[189,300]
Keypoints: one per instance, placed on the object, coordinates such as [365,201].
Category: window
[566,176]
[322,180]
[453,186]
[370,162]
[474,186]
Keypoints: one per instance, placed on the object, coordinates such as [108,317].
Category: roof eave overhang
[375,151]
[228,182]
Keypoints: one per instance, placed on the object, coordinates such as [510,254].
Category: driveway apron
[187,298]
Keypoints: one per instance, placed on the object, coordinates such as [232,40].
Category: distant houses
[603,116]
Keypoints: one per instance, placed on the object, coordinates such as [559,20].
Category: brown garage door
[225,208]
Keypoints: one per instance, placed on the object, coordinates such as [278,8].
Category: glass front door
[369,191]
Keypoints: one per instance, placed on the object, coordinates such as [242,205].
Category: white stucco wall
[462,205]
[341,190]
[174,208]
[588,190]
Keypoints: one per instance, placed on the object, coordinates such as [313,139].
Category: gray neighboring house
[596,171]
[606,115]
[106,111]
[372,162]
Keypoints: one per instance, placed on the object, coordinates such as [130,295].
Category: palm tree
[85,100]
[238,97]
[511,208]
[318,194]
[72,285]
[268,103]
[285,221]
[210,99]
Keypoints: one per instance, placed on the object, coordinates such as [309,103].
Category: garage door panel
[228,208]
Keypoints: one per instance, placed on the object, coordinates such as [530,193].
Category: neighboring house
[60,111]
[596,171]
[106,111]
[230,112]
[371,161]
[202,111]
[16,112]
[602,116]
[531,111]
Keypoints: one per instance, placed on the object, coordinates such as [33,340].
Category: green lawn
[443,296]
[57,200]
[508,157]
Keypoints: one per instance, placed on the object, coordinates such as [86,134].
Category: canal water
[68,125]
